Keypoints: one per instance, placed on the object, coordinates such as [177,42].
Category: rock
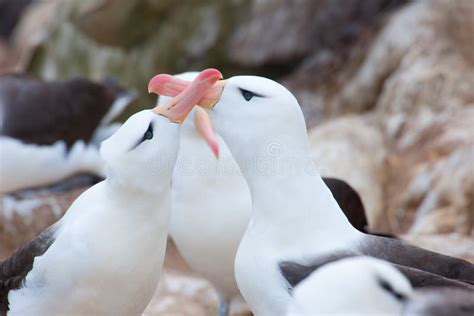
[425,110]
[23,215]
[453,244]
[418,82]
[89,17]
[312,45]
[279,32]
[182,292]
[413,64]
[10,13]
[402,30]
[453,20]
[243,36]
[165,37]
[439,193]
[33,28]
[352,148]
[419,62]
[8,57]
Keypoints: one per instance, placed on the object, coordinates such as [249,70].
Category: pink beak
[186,96]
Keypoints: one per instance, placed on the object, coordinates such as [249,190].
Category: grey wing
[440,302]
[14,269]
[421,279]
[351,205]
[295,272]
[349,201]
[71,110]
[403,254]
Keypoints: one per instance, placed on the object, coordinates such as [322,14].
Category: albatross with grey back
[41,112]
[59,123]
[107,251]
[373,287]
[354,286]
[209,246]
[295,218]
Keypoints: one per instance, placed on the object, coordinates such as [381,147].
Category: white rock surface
[351,148]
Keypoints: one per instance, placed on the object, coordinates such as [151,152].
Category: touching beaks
[202,90]
[185,98]
[203,124]
[171,86]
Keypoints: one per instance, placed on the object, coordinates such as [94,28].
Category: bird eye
[149,133]
[248,95]
[387,287]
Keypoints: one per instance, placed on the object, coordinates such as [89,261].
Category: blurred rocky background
[386,86]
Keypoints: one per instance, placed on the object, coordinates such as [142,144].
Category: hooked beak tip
[210,74]
[215,150]
[204,127]
[157,81]
[187,95]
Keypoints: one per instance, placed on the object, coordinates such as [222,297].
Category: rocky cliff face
[135,39]
[416,89]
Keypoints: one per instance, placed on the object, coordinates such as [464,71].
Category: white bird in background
[105,255]
[211,207]
[296,225]
[59,123]
[362,286]
[355,286]
[25,166]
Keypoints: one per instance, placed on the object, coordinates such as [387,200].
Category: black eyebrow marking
[142,139]
[387,287]
[254,94]
[175,122]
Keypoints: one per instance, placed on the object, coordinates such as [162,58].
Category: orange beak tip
[215,150]
[204,127]
[210,74]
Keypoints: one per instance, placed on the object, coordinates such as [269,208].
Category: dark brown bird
[40,112]
[351,204]
[10,14]
[59,123]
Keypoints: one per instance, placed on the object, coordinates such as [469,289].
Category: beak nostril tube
[186,95]
[204,90]
[170,86]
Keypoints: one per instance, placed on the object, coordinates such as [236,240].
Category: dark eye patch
[148,133]
[146,136]
[388,287]
[248,95]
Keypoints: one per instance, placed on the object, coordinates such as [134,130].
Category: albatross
[104,256]
[207,227]
[296,224]
[354,286]
[59,123]
[373,287]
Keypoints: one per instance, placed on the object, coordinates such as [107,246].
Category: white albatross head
[252,114]
[353,286]
[145,148]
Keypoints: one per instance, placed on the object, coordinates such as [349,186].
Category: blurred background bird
[51,130]
[373,286]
